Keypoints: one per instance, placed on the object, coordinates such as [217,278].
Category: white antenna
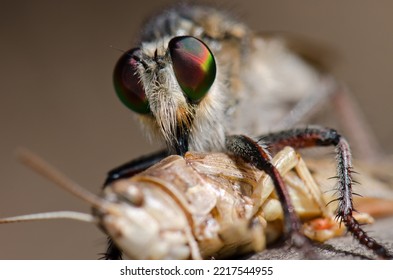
[43,168]
[50,216]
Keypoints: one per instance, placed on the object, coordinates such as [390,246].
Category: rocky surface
[337,248]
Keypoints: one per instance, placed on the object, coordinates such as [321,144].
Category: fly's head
[172,85]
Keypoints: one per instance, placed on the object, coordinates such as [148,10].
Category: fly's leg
[318,136]
[252,152]
[123,171]
[112,252]
[134,166]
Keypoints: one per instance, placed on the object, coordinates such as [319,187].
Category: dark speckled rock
[338,248]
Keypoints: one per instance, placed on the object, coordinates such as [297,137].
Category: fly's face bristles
[172,112]
[167,103]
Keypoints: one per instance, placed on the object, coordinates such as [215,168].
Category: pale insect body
[200,206]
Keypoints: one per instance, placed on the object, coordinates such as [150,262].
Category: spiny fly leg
[134,166]
[112,251]
[252,152]
[319,136]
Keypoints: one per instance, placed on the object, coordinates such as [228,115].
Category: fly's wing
[274,79]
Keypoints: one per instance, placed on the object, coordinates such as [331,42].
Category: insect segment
[202,205]
[198,80]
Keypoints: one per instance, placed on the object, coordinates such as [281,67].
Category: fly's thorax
[199,21]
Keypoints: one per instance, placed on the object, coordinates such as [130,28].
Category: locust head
[172,85]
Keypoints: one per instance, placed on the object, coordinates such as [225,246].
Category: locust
[201,205]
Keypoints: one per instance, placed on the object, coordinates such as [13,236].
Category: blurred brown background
[57,97]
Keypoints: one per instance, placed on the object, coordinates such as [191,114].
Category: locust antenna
[46,170]
[50,216]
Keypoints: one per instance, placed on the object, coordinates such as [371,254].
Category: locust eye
[194,66]
[127,82]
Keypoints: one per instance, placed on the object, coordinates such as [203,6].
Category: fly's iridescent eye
[128,86]
[194,66]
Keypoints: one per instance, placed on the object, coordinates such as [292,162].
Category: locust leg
[123,171]
[307,198]
[285,161]
[252,152]
[318,136]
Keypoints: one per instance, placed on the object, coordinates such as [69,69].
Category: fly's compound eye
[194,66]
[127,83]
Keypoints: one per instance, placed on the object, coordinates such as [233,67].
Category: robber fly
[198,81]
